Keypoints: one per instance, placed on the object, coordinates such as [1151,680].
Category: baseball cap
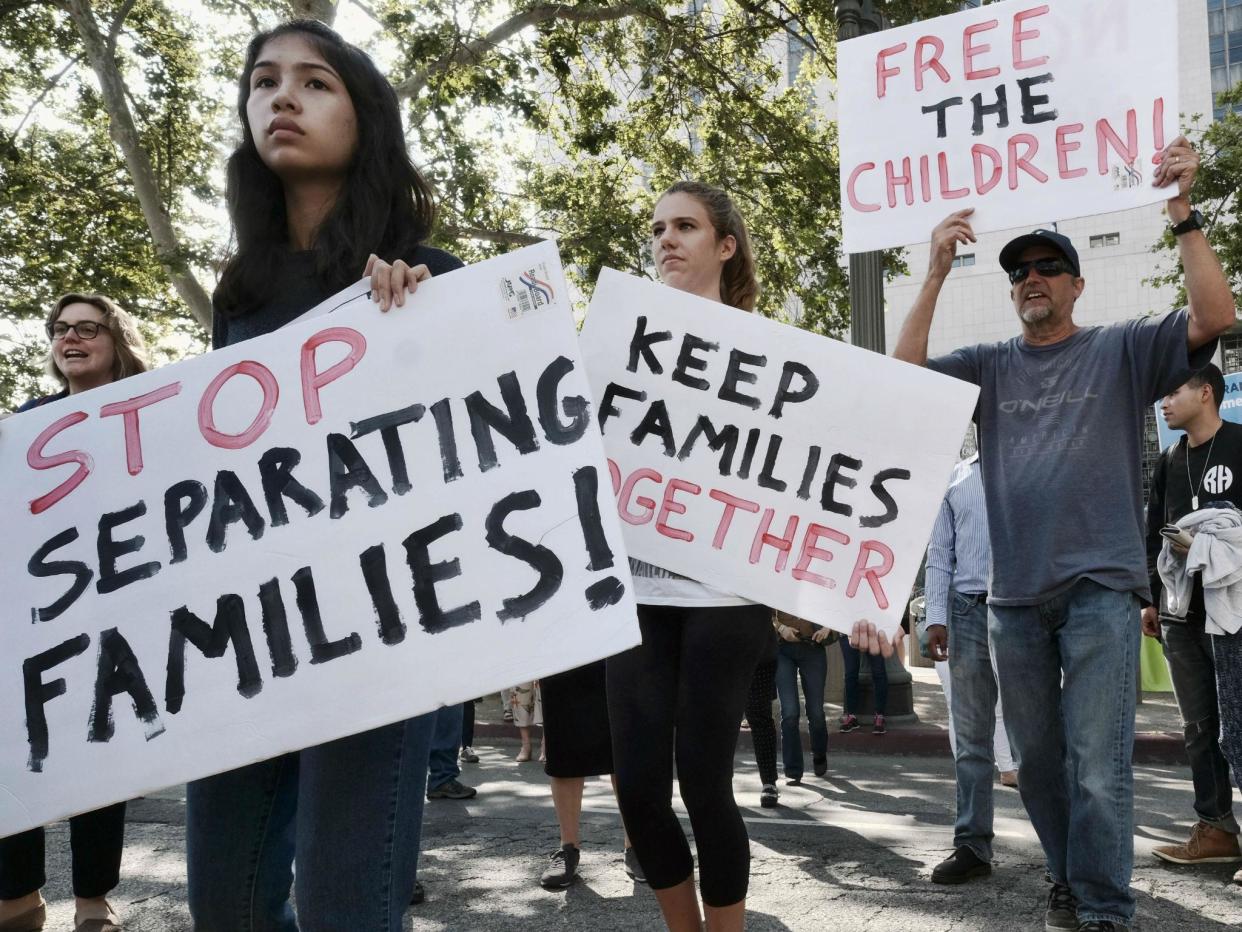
[1011,255]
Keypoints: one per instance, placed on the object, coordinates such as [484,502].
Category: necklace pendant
[1194,503]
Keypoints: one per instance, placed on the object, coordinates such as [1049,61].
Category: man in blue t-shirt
[1060,414]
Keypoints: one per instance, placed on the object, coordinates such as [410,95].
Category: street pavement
[851,851]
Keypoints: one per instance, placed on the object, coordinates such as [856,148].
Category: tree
[531,118]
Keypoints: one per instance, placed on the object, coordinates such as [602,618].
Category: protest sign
[1026,111]
[1230,410]
[769,462]
[356,519]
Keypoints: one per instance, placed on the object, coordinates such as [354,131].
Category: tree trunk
[124,133]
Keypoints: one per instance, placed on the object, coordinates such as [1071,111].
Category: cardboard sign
[1230,410]
[1026,111]
[767,461]
[351,521]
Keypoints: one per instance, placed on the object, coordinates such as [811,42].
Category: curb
[1150,747]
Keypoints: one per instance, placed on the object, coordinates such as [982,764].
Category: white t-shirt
[654,585]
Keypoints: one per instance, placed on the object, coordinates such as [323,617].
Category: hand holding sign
[952,230]
[1178,163]
[866,638]
[389,283]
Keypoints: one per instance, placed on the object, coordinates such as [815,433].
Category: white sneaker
[468,756]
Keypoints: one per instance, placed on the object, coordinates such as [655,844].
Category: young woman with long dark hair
[319,186]
[681,693]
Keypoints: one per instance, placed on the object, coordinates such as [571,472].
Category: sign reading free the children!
[356,519]
[766,461]
[1027,111]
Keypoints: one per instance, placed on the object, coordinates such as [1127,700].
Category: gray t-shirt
[1060,430]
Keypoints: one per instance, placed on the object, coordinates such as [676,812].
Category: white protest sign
[767,461]
[356,519]
[1026,111]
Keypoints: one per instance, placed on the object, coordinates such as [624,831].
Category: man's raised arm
[912,341]
[1212,304]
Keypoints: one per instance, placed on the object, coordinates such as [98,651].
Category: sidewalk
[1157,739]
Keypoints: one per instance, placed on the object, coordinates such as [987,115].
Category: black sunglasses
[1045,267]
[85,329]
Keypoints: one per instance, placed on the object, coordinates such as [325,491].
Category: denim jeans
[1227,652]
[1188,649]
[348,812]
[811,662]
[1067,670]
[879,678]
[445,742]
[972,703]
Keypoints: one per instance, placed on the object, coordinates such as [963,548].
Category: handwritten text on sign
[766,461]
[351,521]
[1026,111]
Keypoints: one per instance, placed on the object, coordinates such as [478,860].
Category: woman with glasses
[93,342]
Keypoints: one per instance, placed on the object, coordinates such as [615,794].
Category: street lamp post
[859,18]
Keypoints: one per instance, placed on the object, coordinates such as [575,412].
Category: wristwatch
[1193,222]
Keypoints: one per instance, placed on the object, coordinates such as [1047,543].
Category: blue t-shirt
[1060,442]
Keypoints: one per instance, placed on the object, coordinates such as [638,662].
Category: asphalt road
[852,851]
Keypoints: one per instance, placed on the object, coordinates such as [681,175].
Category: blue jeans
[811,661]
[348,812]
[445,742]
[1066,669]
[973,707]
[879,678]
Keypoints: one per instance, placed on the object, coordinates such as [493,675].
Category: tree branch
[504,237]
[114,31]
[473,51]
[47,89]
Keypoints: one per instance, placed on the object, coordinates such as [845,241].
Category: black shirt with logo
[1215,475]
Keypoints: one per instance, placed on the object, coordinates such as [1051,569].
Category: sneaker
[962,865]
[768,796]
[820,763]
[1237,878]
[468,755]
[1009,778]
[849,722]
[419,893]
[452,790]
[562,869]
[507,715]
[1062,911]
[1206,845]
[878,727]
[1100,925]
[633,868]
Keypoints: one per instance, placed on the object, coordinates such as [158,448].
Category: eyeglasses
[1047,268]
[85,329]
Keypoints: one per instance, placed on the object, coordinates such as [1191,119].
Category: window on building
[1224,46]
[1105,239]
[963,260]
[1231,352]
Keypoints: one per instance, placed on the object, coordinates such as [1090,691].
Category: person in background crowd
[468,755]
[802,654]
[1060,415]
[579,745]
[680,695]
[1204,465]
[762,728]
[958,569]
[93,342]
[442,767]
[527,708]
[320,186]
[852,658]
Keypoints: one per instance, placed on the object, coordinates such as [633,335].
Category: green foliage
[1216,193]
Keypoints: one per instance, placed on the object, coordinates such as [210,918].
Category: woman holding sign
[93,342]
[320,184]
[682,692]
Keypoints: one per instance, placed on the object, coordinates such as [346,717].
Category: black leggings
[96,840]
[759,717]
[681,694]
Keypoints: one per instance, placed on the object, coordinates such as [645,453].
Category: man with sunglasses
[1061,411]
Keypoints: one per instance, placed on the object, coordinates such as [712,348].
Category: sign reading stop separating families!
[767,461]
[356,519]
[1026,111]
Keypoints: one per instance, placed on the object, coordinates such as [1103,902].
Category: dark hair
[385,206]
[129,350]
[1211,376]
[738,285]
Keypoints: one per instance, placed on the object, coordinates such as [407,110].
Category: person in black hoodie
[1202,469]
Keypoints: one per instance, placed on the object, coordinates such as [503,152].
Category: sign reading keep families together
[1027,111]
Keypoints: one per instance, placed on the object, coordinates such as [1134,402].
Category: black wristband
[1193,222]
